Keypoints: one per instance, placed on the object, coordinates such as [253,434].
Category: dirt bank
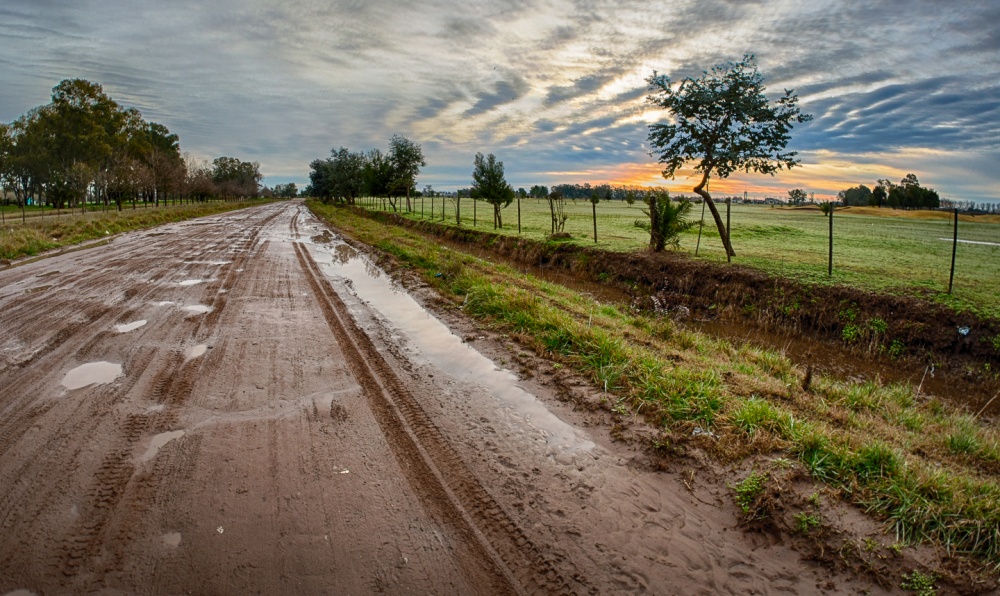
[905,335]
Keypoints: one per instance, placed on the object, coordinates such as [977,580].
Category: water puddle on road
[92,373]
[158,442]
[191,282]
[126,327]
[443,349]
[172,539]
[198,308]
[196,351]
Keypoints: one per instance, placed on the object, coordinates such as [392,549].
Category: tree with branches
[722,122]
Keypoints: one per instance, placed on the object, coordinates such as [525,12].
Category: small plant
[878,326]
[851,333]
[748,493]
[667,219]
[871,545]
[806,522]
[995,342]
[814,499]
[895,349]
[919,583]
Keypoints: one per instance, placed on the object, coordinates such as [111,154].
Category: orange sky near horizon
[825,178]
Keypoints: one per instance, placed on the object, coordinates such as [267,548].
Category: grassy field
[925,467]
[877,249]
[47,232]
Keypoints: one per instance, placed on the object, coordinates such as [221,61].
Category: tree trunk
[700,190]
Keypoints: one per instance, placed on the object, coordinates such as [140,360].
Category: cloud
[547,85]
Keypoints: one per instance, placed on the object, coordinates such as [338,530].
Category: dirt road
[244,404]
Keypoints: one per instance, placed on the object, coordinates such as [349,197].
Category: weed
[851,333]
[748,493]
[896,349]
[814,500]
[878,326]
[919,583]
[806,522]
[871,545]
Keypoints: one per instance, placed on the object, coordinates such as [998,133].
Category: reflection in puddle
[198,308]
[126,327]
[191,282]
[158,442]
[164,303]
[196,351]
[443,349]
[92,373]
[172,539]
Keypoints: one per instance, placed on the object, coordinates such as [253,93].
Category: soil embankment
[860,333]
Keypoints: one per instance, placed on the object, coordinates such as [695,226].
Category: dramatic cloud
[555,88]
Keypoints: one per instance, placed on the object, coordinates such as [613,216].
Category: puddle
[36,289]
[126,327]
[164,303]
[172,539]
[443,349]
[191,282]
[198,308]
[92,373]
[158,442]
[196,351]
[47,273]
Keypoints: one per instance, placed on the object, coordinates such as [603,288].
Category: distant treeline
[84,147]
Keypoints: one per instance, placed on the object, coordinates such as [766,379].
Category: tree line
[347,175]
[84,147]
[908,194]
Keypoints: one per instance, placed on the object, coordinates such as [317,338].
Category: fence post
[729,200]
[518,214]
[593,205]
[829,267]
[954,249]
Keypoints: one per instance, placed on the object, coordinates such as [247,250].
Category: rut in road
[434,465]
[171,387]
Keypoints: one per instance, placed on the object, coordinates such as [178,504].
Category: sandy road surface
[243,404]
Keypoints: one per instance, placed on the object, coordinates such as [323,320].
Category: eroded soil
[286,419]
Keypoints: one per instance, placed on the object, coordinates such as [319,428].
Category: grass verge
[26,240]
[924,467]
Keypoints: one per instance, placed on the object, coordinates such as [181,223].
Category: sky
[556,89]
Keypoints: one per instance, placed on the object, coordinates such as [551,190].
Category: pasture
[900,252]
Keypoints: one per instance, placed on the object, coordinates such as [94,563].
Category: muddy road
[245,404]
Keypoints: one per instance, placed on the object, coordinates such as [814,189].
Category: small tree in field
[667,219]
[797,196]
[557,208]
[723,122]
[488,184]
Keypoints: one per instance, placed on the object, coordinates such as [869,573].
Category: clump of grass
[756,414]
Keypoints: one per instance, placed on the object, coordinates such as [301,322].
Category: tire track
[432,463]
[171,386]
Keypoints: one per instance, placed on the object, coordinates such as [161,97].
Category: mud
[315,445]
[950,354]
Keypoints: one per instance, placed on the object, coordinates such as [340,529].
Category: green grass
[885,250]
[20,240]
[924,467]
